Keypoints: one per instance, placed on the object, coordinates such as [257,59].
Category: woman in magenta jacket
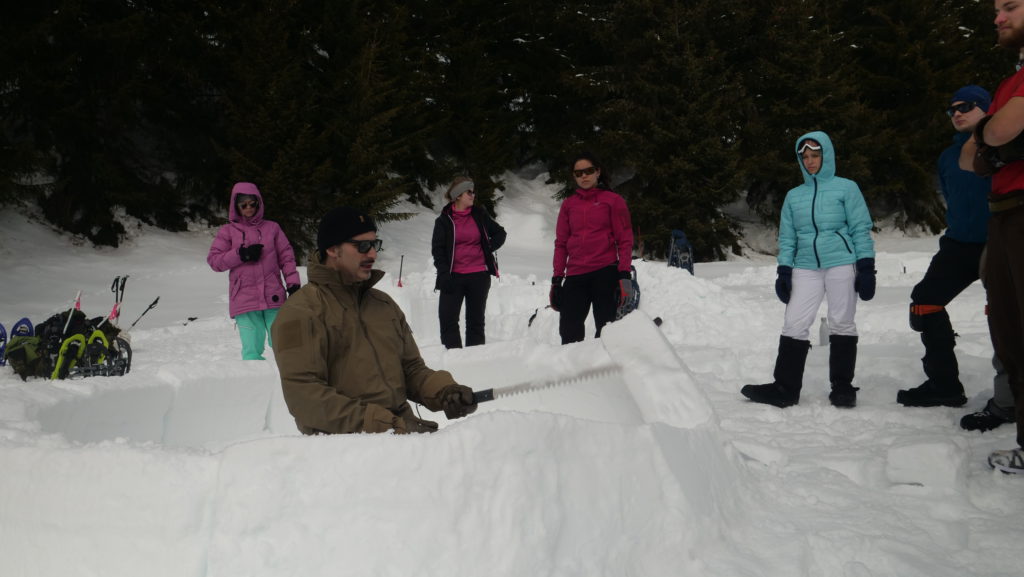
[593,250]
[257,254]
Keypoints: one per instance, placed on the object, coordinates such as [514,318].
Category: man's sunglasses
[962,108]
[364,246]
[808,145]
[249,204]
[587,171]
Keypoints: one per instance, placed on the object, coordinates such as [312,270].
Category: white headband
[461,188]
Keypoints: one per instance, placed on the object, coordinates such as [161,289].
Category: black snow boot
[943,387]
[988,418]
[842,359]
[789,376]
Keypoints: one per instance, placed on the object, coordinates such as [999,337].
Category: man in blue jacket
[953,268]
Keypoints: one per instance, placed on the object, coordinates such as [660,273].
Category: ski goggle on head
[808,145]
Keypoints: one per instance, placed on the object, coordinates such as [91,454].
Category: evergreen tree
[668,122]
[83,115]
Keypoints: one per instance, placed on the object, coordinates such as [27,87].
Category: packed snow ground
[191,466]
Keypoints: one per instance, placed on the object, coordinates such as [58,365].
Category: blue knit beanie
[973,93]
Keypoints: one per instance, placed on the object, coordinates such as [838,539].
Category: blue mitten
[865,281]
[784,283]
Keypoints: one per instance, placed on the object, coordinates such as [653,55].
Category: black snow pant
[1004,283]
[472,288]
[952,270]
[599,288]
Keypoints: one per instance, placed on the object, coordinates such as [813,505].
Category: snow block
[98,510]
[939,464]
[661,384]
[321,506]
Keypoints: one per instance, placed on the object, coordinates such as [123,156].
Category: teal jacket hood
[828,156]
[825,221]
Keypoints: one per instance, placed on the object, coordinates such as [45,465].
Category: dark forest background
[154,108]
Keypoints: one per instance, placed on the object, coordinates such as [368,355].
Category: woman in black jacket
[463,245]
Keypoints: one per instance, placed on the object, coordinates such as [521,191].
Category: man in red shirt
[998,148]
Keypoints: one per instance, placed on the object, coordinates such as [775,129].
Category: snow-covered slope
[191,466]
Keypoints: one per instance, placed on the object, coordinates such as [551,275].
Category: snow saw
[539,385]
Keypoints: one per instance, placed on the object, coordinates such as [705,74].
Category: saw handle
[482,396]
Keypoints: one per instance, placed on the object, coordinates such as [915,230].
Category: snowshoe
[23,328]
[1010,462]
[71,350]
[101,360]
[96,348]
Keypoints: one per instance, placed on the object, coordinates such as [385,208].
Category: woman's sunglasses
[364,246]
[808,145]
[962,108]
[587,171]
[248,204]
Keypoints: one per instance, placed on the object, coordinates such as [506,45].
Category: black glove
[864,284]
[989,159]
[292,289]
[625,287]
[250,253]
[986,158]
[555,296]
[457,401]
[410,424]
[784,283]
[444,282]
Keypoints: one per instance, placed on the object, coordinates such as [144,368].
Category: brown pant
[1004,281]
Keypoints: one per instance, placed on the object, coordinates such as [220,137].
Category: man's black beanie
[339,225]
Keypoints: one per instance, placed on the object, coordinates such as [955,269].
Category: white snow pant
[809,288]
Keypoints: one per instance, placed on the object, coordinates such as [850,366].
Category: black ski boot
[943,387]
[789,376]
[842,359]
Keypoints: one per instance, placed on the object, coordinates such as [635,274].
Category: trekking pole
[117,287]
[400,263]
[120,298]
[76,307]
[151,305]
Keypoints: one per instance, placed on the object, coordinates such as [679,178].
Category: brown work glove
[410,424]
[457,401]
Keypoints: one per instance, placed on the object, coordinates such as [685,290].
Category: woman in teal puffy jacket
[825,252]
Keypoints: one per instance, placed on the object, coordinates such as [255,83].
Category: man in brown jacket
[347,358]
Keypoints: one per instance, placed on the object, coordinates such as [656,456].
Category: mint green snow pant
[254,330]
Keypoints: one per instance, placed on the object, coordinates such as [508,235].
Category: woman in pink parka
[593,250]
[257,254]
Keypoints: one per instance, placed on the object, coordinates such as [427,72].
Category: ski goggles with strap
[807,144]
